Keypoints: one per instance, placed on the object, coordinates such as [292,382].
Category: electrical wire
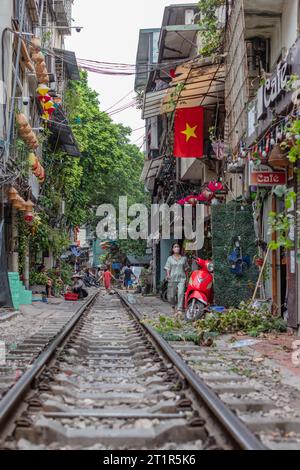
[112,68]
[119,101]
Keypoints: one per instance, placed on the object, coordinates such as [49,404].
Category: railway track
[253,393]
[107,381]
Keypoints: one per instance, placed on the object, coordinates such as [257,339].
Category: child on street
[107,277]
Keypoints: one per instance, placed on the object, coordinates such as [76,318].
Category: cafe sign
[273,87]
[267,178]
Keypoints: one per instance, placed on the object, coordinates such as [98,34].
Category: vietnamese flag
[188,132]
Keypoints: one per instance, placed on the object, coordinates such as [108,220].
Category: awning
[178,41]
[203,85]
[62,135]
[152,103]
[70,62]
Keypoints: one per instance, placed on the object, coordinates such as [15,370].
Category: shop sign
[268,178]
[272,88]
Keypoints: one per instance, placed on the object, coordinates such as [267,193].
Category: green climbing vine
[211,30]
[282,223]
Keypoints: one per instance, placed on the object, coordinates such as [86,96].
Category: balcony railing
[62,9]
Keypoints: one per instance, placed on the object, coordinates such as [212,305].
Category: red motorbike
[199,293]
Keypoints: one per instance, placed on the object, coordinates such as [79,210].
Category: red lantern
[28,217]
[51,110]
[45,98]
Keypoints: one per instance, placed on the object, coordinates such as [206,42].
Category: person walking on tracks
[176,268]
[107,277]
[127,273]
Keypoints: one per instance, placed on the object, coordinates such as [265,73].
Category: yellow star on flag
[189,132]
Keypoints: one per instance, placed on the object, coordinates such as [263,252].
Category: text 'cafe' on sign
[268,178]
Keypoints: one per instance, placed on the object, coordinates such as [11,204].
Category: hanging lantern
[28,217]
[45,116]
[44,98]
[42,89]
[51,110]
[277,158]
[48,104]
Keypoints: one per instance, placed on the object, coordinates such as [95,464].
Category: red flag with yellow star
[188,132]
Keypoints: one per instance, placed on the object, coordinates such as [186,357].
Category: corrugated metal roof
[203,85]
[146,167]
[151,168]
[152,103]
[70,62]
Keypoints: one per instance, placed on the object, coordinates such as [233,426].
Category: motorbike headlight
[210,267]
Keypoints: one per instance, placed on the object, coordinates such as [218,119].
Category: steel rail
[10,400]
[239,433]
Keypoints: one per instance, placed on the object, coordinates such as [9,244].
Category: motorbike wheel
[194,311]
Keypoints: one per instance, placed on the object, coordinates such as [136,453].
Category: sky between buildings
[110,34]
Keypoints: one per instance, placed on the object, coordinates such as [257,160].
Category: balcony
[62,9]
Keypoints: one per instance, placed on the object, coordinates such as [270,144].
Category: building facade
[34,70]
[250,96]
